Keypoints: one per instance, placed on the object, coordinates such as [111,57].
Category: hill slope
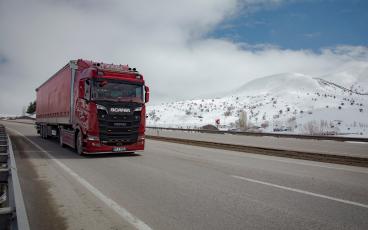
[353,76]
[294,102]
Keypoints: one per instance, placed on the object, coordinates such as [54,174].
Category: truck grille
[119,129]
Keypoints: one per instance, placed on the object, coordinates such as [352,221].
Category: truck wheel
[44,132]
[79,144]
[41,131]
[61,143]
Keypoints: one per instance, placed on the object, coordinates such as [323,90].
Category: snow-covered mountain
[294,102]
[353,76]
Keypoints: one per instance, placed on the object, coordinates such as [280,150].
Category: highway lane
[172,186]
[354,149]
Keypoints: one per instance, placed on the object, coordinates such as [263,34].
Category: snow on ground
[3,115]
[291,102]
[8,116]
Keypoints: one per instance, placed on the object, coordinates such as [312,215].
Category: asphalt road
[173,186]
[353,149]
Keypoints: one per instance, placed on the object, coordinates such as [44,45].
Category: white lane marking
[356,142]
[125,214]
[302,191]
[348,168]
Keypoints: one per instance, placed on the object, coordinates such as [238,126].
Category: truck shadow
[110,155]
[96,155]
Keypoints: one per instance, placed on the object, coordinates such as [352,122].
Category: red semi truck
[94,107]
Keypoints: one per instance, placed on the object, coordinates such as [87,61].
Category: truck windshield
[114,90]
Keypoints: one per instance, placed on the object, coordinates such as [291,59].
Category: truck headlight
[92,138]
[138,109]
[101,107]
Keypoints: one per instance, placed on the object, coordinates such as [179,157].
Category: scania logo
[120,110]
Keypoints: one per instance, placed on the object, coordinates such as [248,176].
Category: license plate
[120,124]
[119,149]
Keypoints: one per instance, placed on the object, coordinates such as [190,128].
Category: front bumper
[95,147]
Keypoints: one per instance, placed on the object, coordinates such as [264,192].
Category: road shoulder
[60,203]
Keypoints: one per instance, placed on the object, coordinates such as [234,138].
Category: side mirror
[87,90]
[81,89]
[84,89]
[147,94]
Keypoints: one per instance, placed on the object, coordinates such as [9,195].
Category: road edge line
[124,213]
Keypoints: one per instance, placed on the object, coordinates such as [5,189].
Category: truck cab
[110,109]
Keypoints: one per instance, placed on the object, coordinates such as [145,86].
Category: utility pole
[242,120]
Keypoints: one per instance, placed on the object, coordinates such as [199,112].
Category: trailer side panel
[54,97]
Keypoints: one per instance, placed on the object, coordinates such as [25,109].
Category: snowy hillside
[289,102]
[353,76]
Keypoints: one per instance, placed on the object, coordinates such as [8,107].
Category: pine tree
[31,109]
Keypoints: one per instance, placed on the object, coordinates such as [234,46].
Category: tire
[41,131]
[45,136]
[61,139]
[79,144]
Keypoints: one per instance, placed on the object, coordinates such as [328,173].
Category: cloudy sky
[184,48]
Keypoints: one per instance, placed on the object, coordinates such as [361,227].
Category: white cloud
[166,40]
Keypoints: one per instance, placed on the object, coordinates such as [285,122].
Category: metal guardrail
[13,214]
[282,135]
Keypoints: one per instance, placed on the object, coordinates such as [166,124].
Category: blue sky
[309,24]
